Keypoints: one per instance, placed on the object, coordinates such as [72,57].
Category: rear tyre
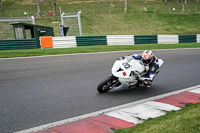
[107,84]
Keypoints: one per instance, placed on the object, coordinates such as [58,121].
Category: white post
[33,19]
[79,22]
[62,21]
[60,11]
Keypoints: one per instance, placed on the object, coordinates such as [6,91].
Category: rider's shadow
[131,90]
[136,91]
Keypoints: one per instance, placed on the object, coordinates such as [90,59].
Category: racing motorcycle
[125,74]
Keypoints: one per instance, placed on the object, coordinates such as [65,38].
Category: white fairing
[123,68]
[160,62]
[132,65]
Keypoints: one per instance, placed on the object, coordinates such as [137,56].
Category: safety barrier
[120,40]
[167,39]
[146,39]
[64,42]
[198,38]
[187,38]
[73,41]
[18,44]
[91,40]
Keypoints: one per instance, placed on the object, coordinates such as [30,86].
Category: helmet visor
[148,61]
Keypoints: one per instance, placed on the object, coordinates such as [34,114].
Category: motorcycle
[125,74]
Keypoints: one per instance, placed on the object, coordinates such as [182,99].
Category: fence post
[62,21]
[33,19]
[79,22]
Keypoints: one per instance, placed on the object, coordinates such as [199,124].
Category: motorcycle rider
[150,62]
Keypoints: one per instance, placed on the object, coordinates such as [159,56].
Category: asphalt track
[41,90]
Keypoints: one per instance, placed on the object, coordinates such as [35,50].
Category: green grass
[103,19]
[186,120]
[88,49]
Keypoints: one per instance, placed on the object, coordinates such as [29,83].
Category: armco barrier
[18,44]
[64,42]
[167,39]
[198,38]
[91,40]
[73,41]
[187,38]
[120,39]
[148,39]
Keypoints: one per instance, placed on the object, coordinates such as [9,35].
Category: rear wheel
[108,84]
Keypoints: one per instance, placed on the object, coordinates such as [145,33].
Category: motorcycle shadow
[130,90]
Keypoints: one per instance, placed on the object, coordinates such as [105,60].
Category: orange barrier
[46,42]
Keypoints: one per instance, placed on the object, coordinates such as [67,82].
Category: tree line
[98,1]
[0,3]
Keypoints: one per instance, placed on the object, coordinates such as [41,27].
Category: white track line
[50,125]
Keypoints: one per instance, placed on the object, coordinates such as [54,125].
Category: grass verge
[186,120]
[88,49]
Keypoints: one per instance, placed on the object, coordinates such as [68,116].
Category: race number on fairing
[126,65]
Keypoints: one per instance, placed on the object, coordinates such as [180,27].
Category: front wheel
[107,84]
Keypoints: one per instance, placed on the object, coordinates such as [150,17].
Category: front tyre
[107,84]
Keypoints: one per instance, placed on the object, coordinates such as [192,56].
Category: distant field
[104,19]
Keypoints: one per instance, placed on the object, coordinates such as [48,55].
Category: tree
[54,7]
[125,6]
[183,6]
[185,1]
[111,2]
[38,7]
[0,3]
